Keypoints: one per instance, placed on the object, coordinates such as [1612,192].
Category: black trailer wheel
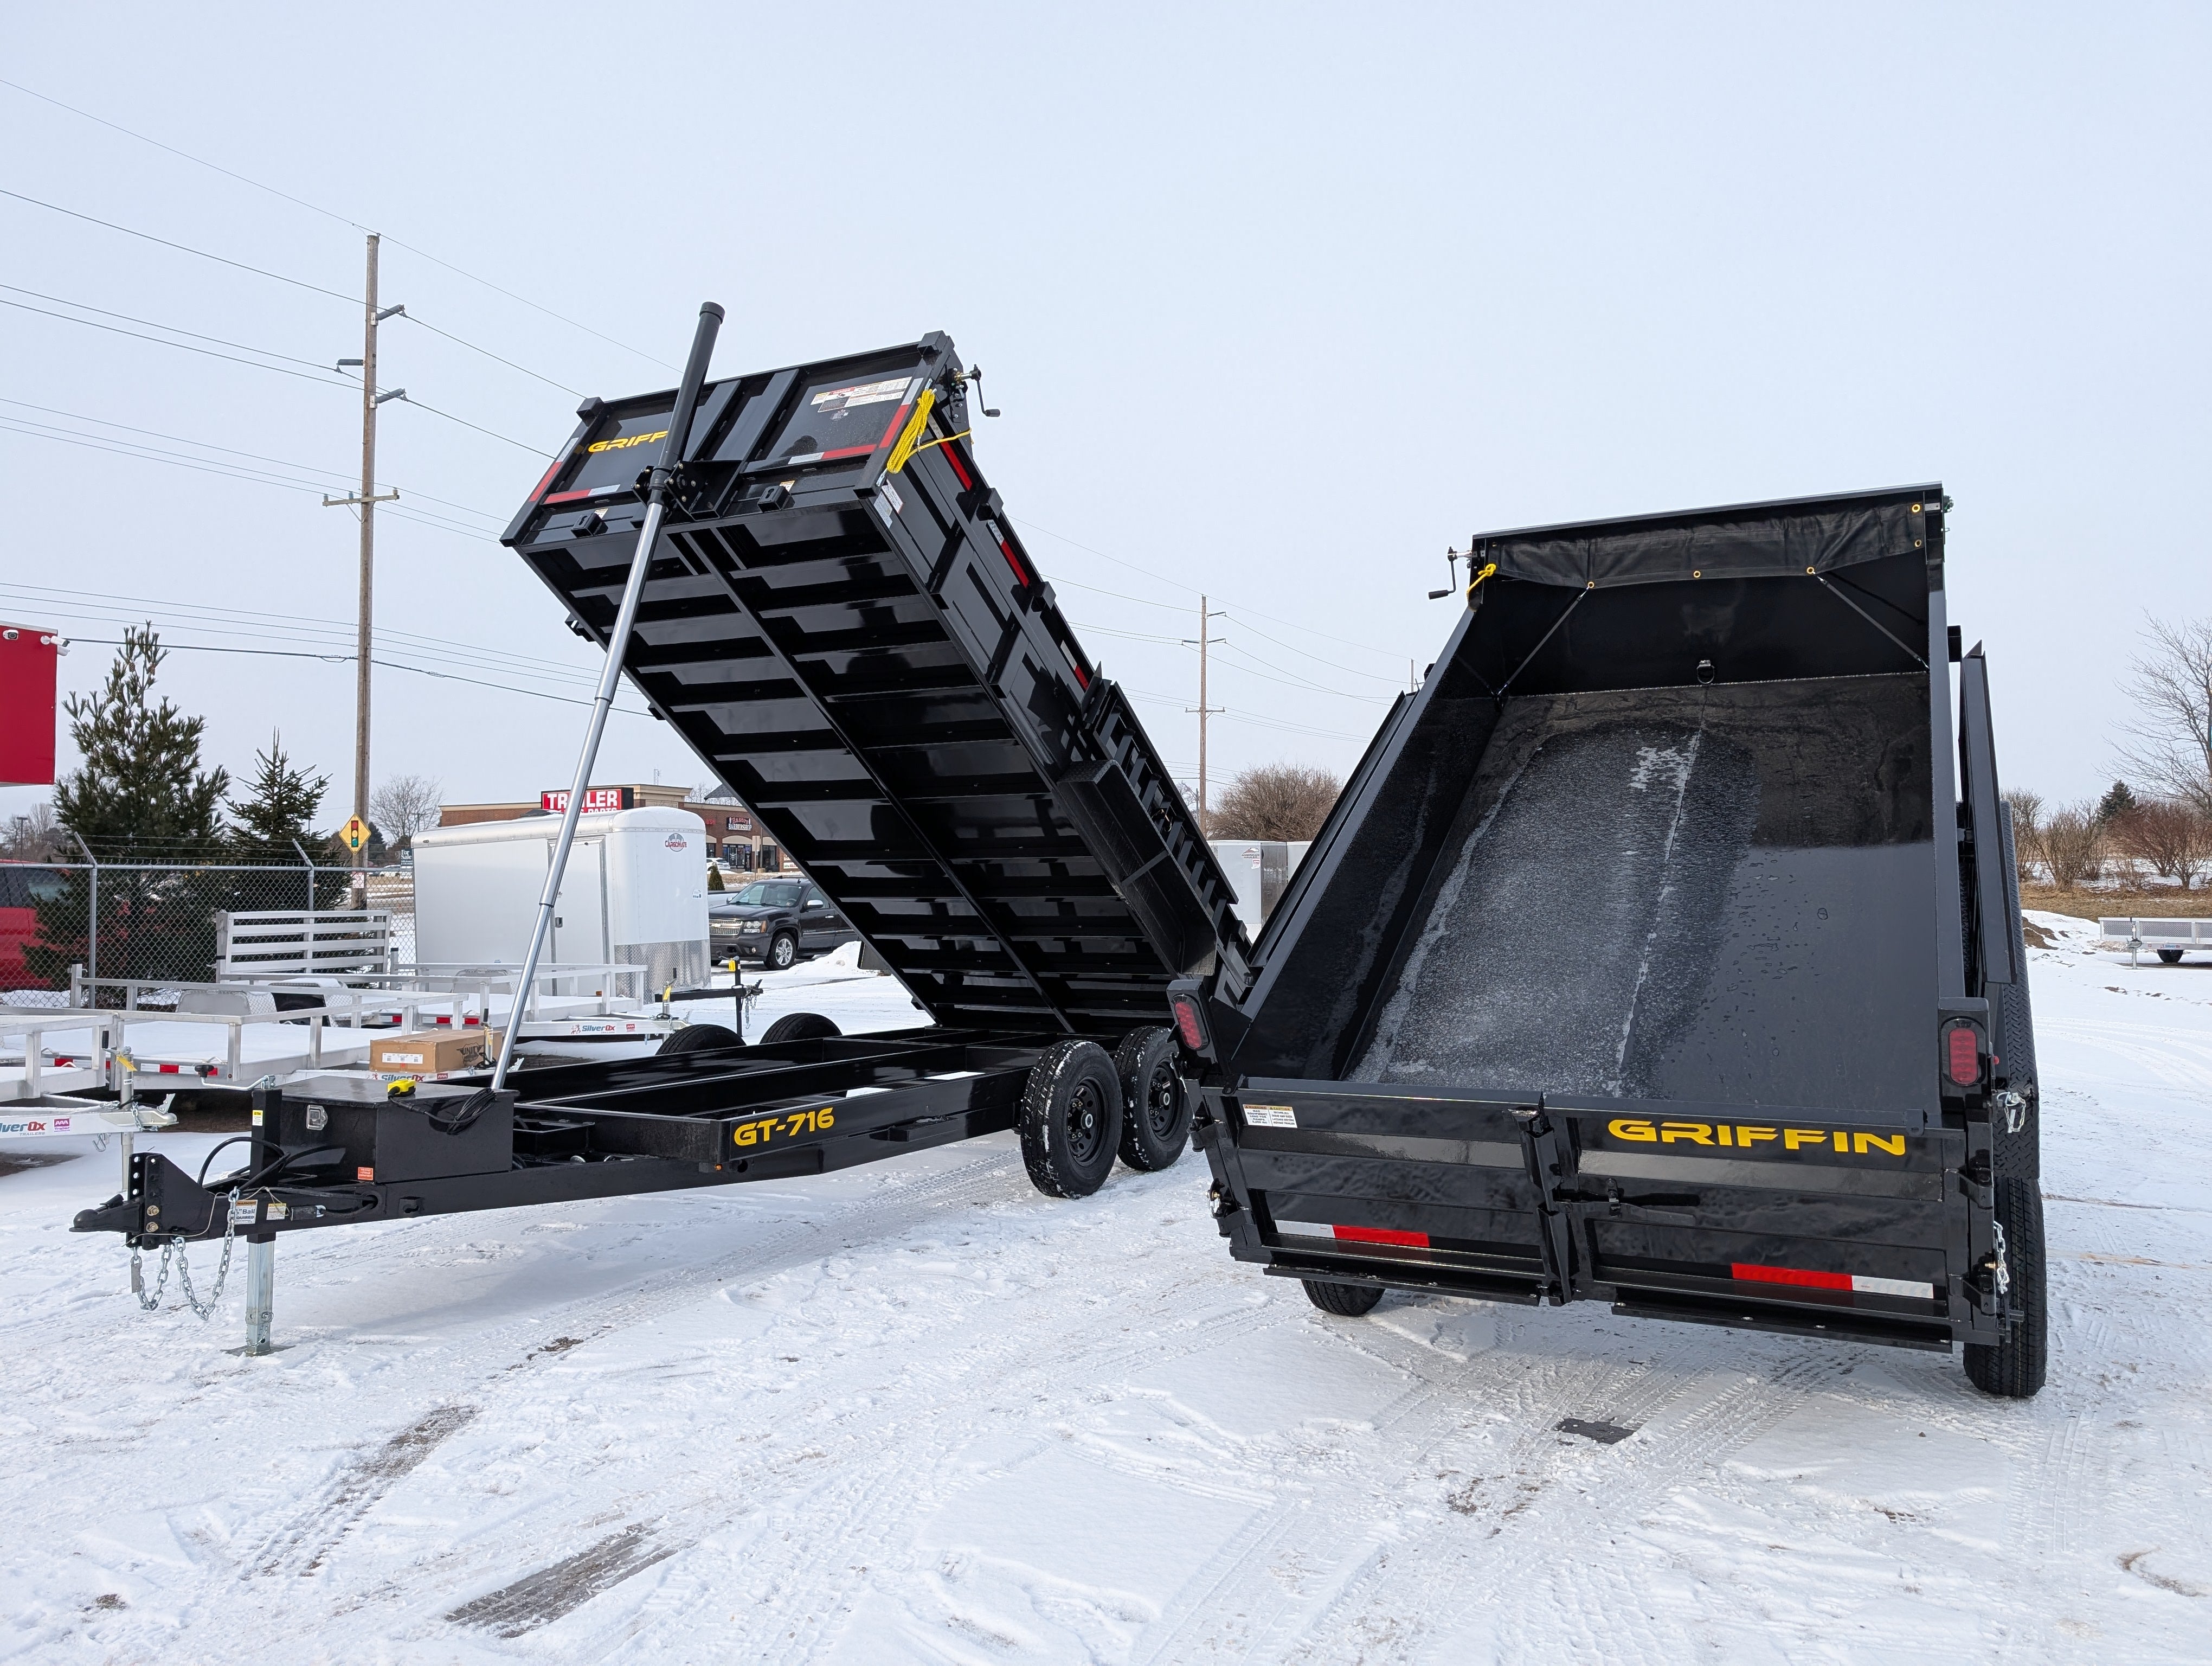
[1349,1301]
[1070,1119]
[1155,1104]
[783,953]
[2015,1367]
[2171,957]
[697,1037]
[799,1026]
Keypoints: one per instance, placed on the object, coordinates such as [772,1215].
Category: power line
[229,617]
[488,353]
[64,301]
[1161,578]
[347,659]
[148,453]
[183,248]
[464,422]
[327,379]
[329,214]
[209,445]
[1294,681]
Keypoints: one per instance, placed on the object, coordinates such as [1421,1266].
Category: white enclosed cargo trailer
[635,894]
[1259,869]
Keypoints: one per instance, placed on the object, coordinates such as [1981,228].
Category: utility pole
[366,501]
[1206,615]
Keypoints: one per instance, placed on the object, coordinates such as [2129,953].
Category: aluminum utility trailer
[1664,949]
[844,623]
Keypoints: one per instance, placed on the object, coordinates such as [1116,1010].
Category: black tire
[2015,1367]
[1070,1119]
[1348,1301]
[1156,1107]
[2012,1039]
[783,953]
[697,1037]
[2171,957]
[799,1026]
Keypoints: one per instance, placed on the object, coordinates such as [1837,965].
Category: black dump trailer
[1664,949]
[841,620]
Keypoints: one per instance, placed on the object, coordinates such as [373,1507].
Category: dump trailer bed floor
[1673,893]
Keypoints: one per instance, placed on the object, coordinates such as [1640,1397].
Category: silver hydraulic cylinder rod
[648,534]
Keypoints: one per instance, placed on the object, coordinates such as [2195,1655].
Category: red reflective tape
[952,455]
[547,478]
[1014,562]
[1382,1235]
[568,497]
[846,451]
[891,433]
[167,1069]
[1790,1275]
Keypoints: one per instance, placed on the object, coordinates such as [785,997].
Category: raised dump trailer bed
[1657,953]
[841,620]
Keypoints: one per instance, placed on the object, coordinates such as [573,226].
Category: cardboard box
[434,1052]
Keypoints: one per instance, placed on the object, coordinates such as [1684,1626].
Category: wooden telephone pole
[366,502]
[1206,615]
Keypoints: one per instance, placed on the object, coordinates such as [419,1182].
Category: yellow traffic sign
[355,834]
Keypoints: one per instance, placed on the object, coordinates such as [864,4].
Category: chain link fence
[152,920]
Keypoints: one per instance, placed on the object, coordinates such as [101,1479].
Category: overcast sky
[1279,302]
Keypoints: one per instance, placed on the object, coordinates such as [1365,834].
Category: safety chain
[1997,1251]
[175,1249]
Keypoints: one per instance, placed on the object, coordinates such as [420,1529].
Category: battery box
[388,1139]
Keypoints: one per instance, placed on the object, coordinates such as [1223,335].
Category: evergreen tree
[272,822]
[140,796]
[2118,803]
[279,806]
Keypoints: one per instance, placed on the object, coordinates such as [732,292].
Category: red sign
[28,666]
[596,799]
[740,823]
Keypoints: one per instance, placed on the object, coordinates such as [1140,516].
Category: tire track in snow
[304,1542]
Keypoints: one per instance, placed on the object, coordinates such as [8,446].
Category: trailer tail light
[1962,1056]
[1189,1026]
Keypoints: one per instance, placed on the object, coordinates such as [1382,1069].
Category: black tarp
[1752,540]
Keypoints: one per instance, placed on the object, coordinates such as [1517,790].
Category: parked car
[22,887]
[777,923]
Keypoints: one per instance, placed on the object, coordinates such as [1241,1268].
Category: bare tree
[2073,845]
[33,836]
[2172,834]
[2173,730]
[2027,831]
[1275,801]
[404,806]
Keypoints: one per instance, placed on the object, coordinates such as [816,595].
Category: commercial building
[734,837]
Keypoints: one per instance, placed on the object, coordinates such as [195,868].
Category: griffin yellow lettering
[625,444]
[1793,1138]
[1721,1133]
[1843,1140]
[1752,1134]
[1891,1143]
[1698,1134]
[1631,1127]
[747,1134]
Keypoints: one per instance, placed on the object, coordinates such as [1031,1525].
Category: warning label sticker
[1270,1116]
[832,399]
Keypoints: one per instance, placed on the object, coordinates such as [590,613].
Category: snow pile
[916,1412]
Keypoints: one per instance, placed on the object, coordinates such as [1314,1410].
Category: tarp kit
[835,611]
[1663,950]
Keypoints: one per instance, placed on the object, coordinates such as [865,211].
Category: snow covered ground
[918,1412]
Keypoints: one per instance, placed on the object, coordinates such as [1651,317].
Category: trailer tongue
[840,620]
[1652,956]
